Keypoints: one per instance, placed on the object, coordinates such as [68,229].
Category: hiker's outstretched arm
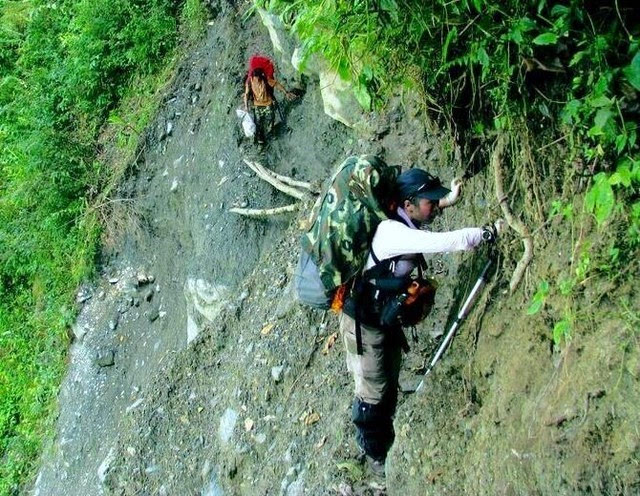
[393,238]
[278,85]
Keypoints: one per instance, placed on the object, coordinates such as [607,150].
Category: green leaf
[344,69]
[622,175]
[483,57]
[635,171]
[362,95]
[535,307]
[477,4]
[561,330]
[602,117]
[577,57]
[632,72]
[570,111]
[452,35]
[601,101]
[621,142]
[545,39]
[600,199]
[539,298]
[566,286]
[559,10]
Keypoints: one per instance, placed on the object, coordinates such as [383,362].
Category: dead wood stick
[294,182]
[286,179]
[265,212]
[266,175]
[514,222]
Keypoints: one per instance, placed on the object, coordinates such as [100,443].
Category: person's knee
[374,427]
[366,413]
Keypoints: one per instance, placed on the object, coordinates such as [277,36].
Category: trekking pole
[464,312]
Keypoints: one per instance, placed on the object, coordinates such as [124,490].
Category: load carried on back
[334,250]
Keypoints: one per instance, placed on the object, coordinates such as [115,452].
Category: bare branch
[293,182]
[266,175]
[265,212]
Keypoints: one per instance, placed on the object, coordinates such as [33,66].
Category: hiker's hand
[491,232]
[453,197]
[290,96]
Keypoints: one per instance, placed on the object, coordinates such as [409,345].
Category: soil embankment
[194,371]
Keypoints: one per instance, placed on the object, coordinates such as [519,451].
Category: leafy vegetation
[65,67]
[565,72]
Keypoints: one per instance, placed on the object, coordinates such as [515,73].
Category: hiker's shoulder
[391,226]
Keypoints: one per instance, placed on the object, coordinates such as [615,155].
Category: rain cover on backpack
[345,218]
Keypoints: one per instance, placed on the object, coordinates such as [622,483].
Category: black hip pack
[380,299]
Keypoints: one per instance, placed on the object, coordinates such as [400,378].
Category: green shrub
[64,67]
[568,69]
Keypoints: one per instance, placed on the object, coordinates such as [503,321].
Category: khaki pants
[376,371]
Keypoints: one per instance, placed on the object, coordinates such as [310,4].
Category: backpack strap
[380,268]
[358,332]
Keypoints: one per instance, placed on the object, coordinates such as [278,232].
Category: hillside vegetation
[78,84]
[556,82]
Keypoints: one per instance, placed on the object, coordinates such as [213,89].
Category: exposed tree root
[300,190]
[515,223]
[281,183]
[265,212]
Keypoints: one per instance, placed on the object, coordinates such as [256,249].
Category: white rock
[338,98]
[79,331]
[276,373]
[227,425]
[134,405]
[106,463]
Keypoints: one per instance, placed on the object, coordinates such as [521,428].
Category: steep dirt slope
[258,401]
[179,232]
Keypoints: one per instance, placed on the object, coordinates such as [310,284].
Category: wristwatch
[488,234]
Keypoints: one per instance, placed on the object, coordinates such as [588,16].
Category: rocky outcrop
[337,93]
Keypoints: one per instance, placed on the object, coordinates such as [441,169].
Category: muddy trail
[194,371]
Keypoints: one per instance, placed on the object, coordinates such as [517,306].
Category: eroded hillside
[208,378]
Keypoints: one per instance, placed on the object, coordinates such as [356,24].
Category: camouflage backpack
[344,220]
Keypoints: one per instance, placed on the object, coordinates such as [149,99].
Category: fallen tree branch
[294,182]
[265,212]
[266,175]
[515,223]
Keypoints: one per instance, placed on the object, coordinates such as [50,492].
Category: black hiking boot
[375,466]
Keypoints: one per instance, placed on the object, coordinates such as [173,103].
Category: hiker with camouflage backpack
[362,253]
[373,338]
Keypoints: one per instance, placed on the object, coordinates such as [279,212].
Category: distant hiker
[258,88]
[373,340]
